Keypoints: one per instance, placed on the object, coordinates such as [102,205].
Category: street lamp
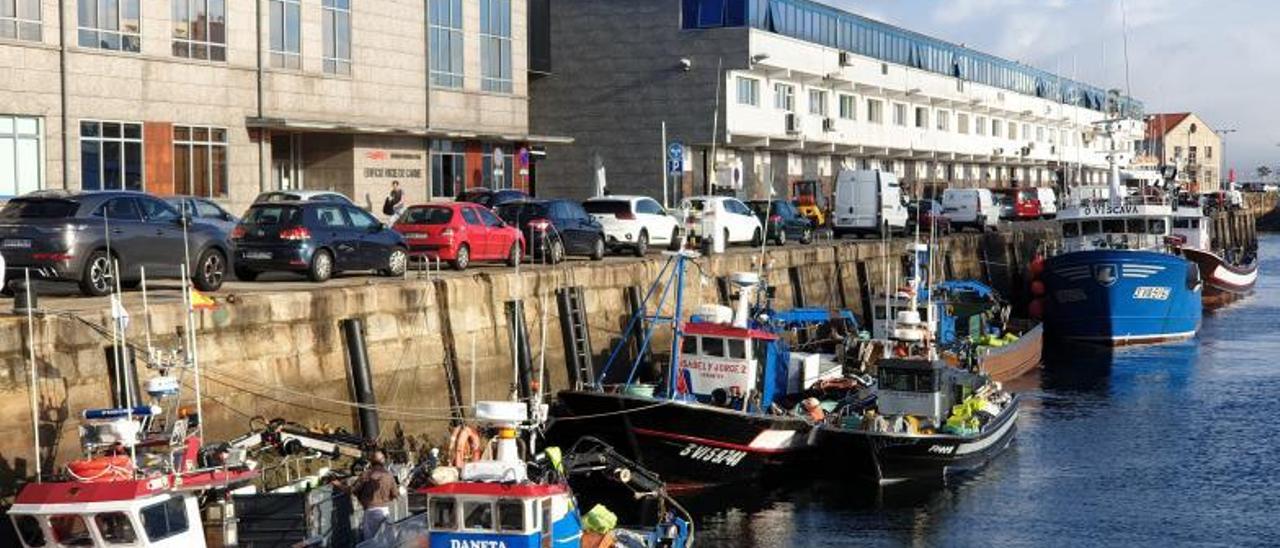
[1223,134]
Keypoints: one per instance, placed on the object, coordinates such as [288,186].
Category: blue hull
[1119,297]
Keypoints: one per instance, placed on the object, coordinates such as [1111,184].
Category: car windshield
[473,195]
[26,208]
[607,207]
[764,208]
[522,211]
[271,215]
[426,216]
[696,205]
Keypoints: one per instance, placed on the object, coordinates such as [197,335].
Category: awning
[442,133]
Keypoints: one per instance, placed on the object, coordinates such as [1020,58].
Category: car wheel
[642,244]
[513,255]
[556,251]
[397,262]
[321,266]
[675,243]
[806,237]
[781,239]
[463,258]
[211,270]
[597,250]
[756,238]
[98,275]
[245,274]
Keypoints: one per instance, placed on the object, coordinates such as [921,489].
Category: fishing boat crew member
[375,489]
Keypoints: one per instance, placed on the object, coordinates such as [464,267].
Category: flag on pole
[118,312]
[200,301]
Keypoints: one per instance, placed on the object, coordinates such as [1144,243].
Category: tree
[1263,172]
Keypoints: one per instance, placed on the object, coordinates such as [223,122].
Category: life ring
[465,445]
[105,468]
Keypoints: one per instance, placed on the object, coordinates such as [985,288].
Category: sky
[1214,58]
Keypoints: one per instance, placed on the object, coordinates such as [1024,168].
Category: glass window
[70,530]
[748,91]
[20,20]
[510,515]
[156,211]
[477,515]
[444,513]
[689,345]
[943,120]
[922,118]
[496,169]
[1070,230]
[115,528]
[208,210]
[286,34]
[997,128]
[361,219]
[122,209]
[469,215]
[336,24]
[737,349]
[962,123]
[448,169]
[875,111]
[110,24]
[21,142]
[110,159]
[980,125]
[200,161]
[847,103]
[1136,226]
[1113,226]
[713,347]
[426,216]
[784,97]
[818,102]
[29,530]
[200,29]
[495,45]
[488,217]
[1090,227]
[649,207]
[330,216]
[446,43]
[164,519]
[1156,226]
[1013,131]
[899,114]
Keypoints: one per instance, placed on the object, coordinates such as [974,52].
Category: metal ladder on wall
[577,336]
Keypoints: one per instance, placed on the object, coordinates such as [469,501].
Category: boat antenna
[35,375]
[146,313]
[192,357]
[1124,31]
[715,125]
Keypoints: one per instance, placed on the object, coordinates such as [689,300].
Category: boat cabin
[1126,226]
[725,365]
[920,387]
[497,514]
[1191,228]
[142,512]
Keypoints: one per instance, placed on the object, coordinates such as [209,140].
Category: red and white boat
[1228,274]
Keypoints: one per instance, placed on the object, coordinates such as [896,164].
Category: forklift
[809,201]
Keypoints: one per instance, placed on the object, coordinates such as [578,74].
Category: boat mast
[31,363]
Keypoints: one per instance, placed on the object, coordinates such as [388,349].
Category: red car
[1025,202]
[460,233]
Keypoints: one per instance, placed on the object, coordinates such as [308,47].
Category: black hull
[683,442]
[891,458]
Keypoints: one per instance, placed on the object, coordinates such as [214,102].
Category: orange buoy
[1036,308]
[105,468]
[1037,288]
[465,445]
[1036,268]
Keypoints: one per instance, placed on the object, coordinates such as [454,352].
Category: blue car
[318,239]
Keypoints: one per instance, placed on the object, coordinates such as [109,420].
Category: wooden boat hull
[892,458]
[1223,282]
[682,441]
[1010,362]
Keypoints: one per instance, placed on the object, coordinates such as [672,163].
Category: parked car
[76,237]
[316,238]
[204,210]
[782,221]
[302,196]
[634,222]
[928,214]
[491,198]
[727,217]
[971,207]
[868,201]
[555,228]
[1018,204]
[459,232]
[1048,202]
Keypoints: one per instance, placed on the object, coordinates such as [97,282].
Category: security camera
[686,64]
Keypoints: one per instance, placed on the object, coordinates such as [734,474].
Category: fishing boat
[711,417]
[1229,274]
[1118,278]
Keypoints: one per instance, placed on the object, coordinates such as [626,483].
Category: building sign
[708,374]
[382,164]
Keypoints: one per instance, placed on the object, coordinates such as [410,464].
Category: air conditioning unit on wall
[793,123]
[828,124]
[846,59]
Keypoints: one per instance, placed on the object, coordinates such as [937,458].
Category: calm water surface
[1171,445]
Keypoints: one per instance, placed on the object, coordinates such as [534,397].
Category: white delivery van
[971,207]
[866,200]
[1048,202]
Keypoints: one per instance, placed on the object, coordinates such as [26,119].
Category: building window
[200,161]
[446,43]
[200,29]
[944,120]
[997,128]
[495,45]
[1039,134]
[1208,153]
[1053,136]
[784,97]
[20,19]
[448,169]
[847,103]
[1177,152]
[337,36]
[110,156]
[1013,131]
[817,102]
[922,118]
[899,114]
[1026,131]
[1191,155]
[980,125]
[496,169]
[20,147]
[748,91]
[111,24]
[875,111]
[286,34]
[962,123]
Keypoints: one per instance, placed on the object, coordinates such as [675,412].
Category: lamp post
[1222,133]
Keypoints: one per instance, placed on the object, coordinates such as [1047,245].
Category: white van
[1048,202]
[971,207]
[866,200]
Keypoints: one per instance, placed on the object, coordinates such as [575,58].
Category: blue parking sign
[675,158]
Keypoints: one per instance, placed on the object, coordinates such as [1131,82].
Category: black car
[76,237]
[782,221]
[555,228]
[204,210]
[318,239]
[491,198]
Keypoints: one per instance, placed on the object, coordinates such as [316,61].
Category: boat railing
[1133,200]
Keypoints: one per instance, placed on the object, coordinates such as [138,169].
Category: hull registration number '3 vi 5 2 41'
[713,455]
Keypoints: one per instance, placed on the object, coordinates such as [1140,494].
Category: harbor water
[1169,445]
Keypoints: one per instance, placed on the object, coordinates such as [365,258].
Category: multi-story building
[766,92]
[1184,141]
[227,98]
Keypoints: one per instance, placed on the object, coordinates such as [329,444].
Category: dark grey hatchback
[318,239]
[75,237]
